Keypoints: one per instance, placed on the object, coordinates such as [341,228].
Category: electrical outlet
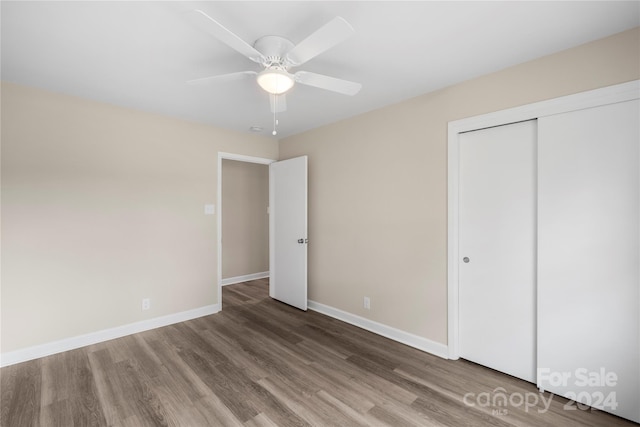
[146,303]
[367,303]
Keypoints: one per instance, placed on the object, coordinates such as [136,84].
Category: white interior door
[589,257]
[497,247]
[288,231]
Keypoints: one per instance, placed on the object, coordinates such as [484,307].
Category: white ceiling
[140,54]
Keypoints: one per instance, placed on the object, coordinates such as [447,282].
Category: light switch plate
[209,209]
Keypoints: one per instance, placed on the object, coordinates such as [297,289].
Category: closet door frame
[593,98]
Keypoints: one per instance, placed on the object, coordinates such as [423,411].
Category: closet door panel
[497,223]
[589,257]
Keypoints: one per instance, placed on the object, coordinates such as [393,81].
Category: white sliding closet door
[589,257]
[497,247]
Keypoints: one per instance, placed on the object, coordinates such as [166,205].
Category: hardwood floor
[262,363]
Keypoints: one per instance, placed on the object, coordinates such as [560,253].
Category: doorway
[241,229]
[245,221]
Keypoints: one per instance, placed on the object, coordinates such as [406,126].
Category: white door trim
[607,95]
[240,158]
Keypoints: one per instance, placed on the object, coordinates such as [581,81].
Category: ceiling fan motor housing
[274,49]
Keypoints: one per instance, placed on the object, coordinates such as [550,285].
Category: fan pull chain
[275,120]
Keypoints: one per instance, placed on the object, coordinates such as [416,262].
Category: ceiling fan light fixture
[275,81]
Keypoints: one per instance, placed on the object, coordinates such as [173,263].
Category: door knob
[465,259]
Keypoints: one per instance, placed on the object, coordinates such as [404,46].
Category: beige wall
[245,223]
[378,184]
[101,207]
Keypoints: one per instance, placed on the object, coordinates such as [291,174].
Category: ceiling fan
[278,55]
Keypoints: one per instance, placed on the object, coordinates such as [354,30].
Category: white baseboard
[245,278]
[37,351]
[415,341]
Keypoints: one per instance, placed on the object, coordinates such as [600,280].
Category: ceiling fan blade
[329,83]
[223,77]
[216,29]
[278,103]
[330,34]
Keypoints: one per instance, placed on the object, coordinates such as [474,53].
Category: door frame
[593,98]
[240,158]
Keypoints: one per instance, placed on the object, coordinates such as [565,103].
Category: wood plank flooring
[262,363]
